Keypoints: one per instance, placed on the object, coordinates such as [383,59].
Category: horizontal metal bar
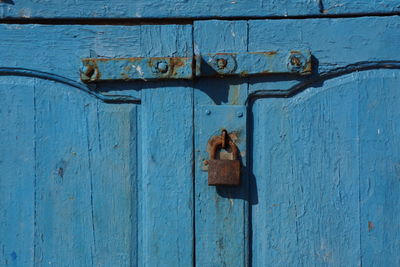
[104,69]
[254,63]
[220,64]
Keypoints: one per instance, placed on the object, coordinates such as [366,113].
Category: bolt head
[296,62]
[162,66]
[88,73]
[239,114]
[207,112]
[222,63]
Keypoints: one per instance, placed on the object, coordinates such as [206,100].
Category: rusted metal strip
[220,64]
[254,63]
[104,69]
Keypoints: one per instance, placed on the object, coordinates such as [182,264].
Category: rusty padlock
[223,171]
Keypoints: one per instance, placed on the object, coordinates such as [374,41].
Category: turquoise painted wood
[154,9]
[221,214]
[114,173]
[80,180]
[325,158]
[327,172]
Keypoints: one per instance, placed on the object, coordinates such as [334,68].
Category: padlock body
[224,172]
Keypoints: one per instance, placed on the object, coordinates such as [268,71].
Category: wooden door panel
[75,205]
[326,167]
[17,184]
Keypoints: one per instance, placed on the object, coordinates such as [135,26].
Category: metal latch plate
[219,64]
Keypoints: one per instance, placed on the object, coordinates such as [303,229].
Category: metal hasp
[219,64]
[223,171]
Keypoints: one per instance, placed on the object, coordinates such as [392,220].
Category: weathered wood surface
[139,9]
[166,189]
[82,182]
[221,214]
[311,200]
[326,163]
[325,160]
[334,43]
[67,182]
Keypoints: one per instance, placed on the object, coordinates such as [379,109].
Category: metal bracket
[219,64]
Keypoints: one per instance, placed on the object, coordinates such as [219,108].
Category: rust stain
[244,74]
[175,63]
[370,226]
[214,140]
[150,63]
[234,136]
[92,71]
[94,60]
[223,54]
[124,76]
[307,68]
[269,53]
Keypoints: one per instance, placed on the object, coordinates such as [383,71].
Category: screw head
[88,73]
[239,114]
[162,66]
[296,62]
[207,112]
[222,63]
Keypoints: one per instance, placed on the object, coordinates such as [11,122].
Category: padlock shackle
[218,145]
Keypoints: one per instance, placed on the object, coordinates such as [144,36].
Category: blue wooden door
[114,173]
[320,179]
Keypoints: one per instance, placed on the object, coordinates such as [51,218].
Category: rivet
[296,62]
[162,66]
[239,114]
[207,112]
[222,63]
[88,73]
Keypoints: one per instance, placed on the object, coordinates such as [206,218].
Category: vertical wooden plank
[221,214]
[380,167]
[305,157]
[112,139]
[166,188]
[86,167]
[17,171]
[64,218]
[86,202]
